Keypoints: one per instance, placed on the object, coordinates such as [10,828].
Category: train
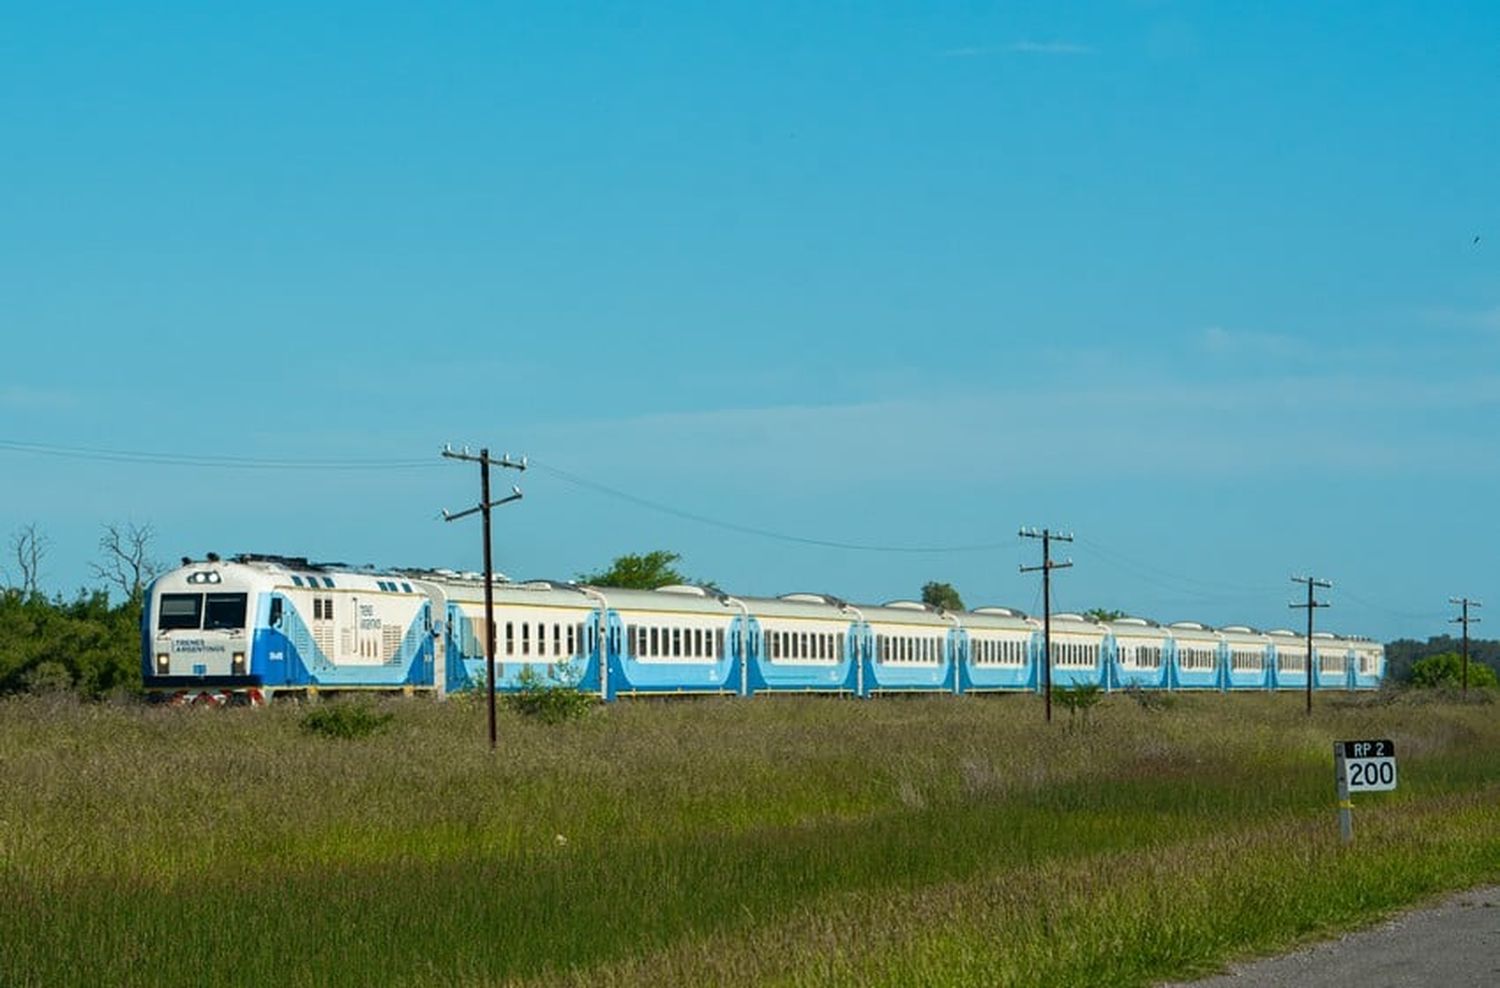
[252,627]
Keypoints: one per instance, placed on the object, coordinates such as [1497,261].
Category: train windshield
[191,612]
[180,610]
[224,611]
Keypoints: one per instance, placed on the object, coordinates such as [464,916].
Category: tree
[1103,615]
[1447,670]
[632,572]
[127,562]
[28,547]
[942,596]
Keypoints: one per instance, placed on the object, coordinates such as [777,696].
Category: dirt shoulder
[1453,944]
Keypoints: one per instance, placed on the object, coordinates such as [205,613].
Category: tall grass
[795,840]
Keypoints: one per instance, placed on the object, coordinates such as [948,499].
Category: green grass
[791,840]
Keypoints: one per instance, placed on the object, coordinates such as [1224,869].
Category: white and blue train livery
[254,626]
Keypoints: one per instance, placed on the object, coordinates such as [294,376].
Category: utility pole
[483,508]
[1312,605]
[1047,536]
[1465,620]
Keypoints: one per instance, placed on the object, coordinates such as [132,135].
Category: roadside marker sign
[1361,766]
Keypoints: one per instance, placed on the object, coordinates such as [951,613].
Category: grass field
[791,840]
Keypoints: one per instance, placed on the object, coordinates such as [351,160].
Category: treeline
[1403,653]
[86,644]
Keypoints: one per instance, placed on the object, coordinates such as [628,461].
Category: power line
[1375,605]
[103,455]
[666,509]
[1174,581]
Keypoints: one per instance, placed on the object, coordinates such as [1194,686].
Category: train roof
[689,598]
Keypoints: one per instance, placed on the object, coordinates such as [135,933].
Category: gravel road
[1455,944]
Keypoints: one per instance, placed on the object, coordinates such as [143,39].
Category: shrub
[1446,670]
[344,720]
[1152,699]
[1081,696]
[48,677]
[551,700]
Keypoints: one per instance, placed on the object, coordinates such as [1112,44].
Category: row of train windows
[322,608]
[903,648]
[808,645]
[989,651]
[677,643]
[526,638]
[1142,657]
[1195,659]
[312,581]
[1073,654]
[1243,661]
[391,586]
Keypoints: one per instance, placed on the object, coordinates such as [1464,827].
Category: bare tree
[127,562]
[29,547]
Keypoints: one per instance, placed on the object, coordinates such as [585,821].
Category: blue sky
[1195,281]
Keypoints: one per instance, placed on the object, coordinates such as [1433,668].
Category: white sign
[1369,766]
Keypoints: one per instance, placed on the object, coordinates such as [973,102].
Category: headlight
[238,664]
[163,663]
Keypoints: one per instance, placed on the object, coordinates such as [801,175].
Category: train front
[198,628]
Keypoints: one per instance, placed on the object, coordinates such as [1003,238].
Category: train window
[296,580]
[525,638]
[317,609]
[180,611]
[557,639]
[328,582]
[698,643]
[510,638]
[718,643]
